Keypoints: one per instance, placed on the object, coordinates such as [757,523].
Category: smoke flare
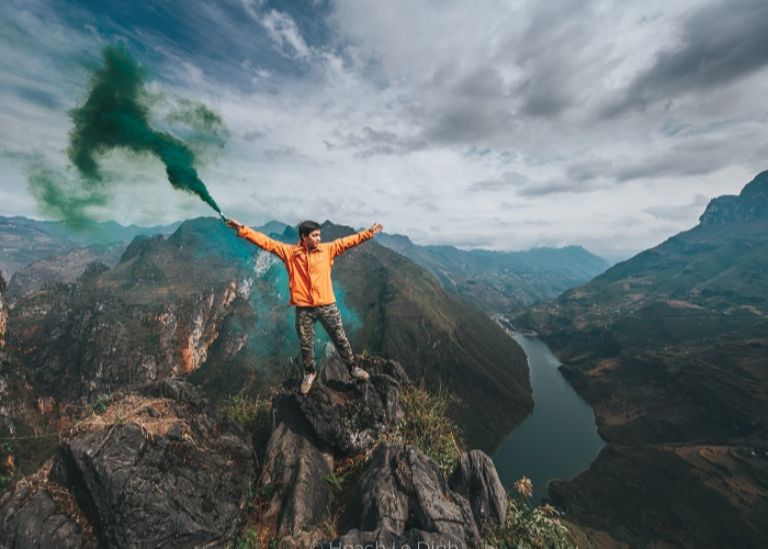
[114,115]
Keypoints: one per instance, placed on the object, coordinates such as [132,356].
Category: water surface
[559,439]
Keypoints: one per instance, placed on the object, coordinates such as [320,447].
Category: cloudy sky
[502,125]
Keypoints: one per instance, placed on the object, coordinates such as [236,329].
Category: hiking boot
[358,373]
[306,383]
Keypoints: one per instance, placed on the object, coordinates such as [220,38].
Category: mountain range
[502,282]
[204,304]
[671,349]
[24,241]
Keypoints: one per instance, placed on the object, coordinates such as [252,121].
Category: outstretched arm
[341,245]
[260,239]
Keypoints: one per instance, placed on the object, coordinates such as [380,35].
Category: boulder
[412,538]
[474,476]
[40,516]
[403,490]
[351,416]
[3,312]
[293,476]
[164,469]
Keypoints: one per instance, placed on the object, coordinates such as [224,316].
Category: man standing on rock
[309,279]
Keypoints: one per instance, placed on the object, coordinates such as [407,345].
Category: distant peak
[751,204]
[758,186]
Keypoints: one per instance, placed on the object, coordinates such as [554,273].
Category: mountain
[502,282]
[23,240]
[64,266]
[74,250]
[671,349]
[204,304]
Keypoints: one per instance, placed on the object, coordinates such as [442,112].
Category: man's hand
[233,224]
[376,228]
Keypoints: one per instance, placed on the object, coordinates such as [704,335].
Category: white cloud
[284,31]
[480,119]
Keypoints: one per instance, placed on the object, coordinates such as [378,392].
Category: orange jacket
[309,273]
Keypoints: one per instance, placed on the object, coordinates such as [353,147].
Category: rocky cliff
[157,466]
[750,205]
[3,311]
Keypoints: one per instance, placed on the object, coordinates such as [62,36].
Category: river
[559,439]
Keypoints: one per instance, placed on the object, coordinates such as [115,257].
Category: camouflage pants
[330,318]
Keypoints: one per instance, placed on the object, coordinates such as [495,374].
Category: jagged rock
[351,416]
[403,489]
[750,205]
[3,312]
[296,464]
[140,487]
[474,476]
[30,518]
[386,538]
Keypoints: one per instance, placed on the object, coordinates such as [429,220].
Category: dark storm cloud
[720,43]
[549,50]
[371,142]
[555,186]
[508,180]
[681,212]
[589,170]
[520,185]
[694,157]
[466,121]
[285,153]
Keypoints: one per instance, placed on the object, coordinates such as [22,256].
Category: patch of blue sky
[225,40]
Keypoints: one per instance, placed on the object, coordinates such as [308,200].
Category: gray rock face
[475,478]
[296,464]
[81,342]
[750,205]
[402,497]
[3,312]
[387,538]
[351,416]
[161,469]
[31,519]
[402,489]
[336,417]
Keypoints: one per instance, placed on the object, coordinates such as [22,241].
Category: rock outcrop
[402,491]
[475,478]
[401,496]
[43,515]
[350,417]
[336,418]
[296,464]
[158,467]
[3,312]
[750,205]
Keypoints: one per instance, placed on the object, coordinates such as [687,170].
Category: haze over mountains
[203,302]
[671,349]
[501,282]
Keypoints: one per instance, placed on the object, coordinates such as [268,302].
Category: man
[309,279]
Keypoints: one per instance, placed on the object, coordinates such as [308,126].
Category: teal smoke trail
[114,115]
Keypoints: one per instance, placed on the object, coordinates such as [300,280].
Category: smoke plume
[115,115]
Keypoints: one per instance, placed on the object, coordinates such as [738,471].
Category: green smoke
[198,116]
[115,115]
[63,197]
